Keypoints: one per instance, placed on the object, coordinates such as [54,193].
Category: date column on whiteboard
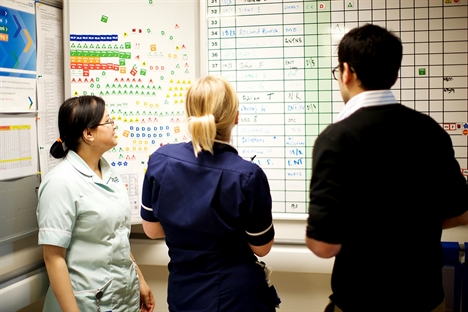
[214,36]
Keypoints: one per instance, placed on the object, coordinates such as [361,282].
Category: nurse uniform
[90,217]
[210,207]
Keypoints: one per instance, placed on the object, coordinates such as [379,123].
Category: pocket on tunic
[95,299]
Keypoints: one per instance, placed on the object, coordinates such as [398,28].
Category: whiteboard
[279,56]
[141,57]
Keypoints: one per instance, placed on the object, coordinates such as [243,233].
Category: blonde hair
[211,107]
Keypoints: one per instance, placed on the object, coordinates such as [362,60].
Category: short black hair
[374,54]
[75,115]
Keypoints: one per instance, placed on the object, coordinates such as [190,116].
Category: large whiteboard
[140,56]
[279,56]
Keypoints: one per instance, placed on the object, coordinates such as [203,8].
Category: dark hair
[374,54]
[75,115]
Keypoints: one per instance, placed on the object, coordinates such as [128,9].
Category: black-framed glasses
[110,122]
[334,70]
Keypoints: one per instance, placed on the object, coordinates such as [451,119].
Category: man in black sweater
[385,183]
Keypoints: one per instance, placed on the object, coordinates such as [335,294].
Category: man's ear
[88,135]
[347,75]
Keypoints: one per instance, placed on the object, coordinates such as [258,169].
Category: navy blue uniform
[210,208]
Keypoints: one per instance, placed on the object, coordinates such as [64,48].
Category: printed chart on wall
[49,81]
[140,57]
[279,56]
[18,147]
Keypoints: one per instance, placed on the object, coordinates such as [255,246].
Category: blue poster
[17,56]
[17,41]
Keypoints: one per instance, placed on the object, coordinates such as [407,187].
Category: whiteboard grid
[279,56]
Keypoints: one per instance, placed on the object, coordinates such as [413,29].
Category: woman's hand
[146,297]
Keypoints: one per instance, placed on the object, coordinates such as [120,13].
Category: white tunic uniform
[90,217]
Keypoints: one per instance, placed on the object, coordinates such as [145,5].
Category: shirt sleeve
[151,188]
[326,217]
[56,212]
[455,186]
[259,226]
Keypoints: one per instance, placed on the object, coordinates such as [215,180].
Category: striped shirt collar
[366,99]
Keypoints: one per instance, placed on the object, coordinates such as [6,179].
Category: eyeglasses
[110,122]
[334,70]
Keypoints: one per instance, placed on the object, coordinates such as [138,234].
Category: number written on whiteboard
[309,62]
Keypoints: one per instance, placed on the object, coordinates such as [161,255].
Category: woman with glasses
[84,219]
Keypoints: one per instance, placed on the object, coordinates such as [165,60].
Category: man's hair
[374,54]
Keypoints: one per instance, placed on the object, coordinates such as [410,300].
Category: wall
[23,279]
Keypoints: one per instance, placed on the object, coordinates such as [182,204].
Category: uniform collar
[79,164]
[224,145]
[82,167]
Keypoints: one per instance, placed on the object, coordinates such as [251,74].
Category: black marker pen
[252,158]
